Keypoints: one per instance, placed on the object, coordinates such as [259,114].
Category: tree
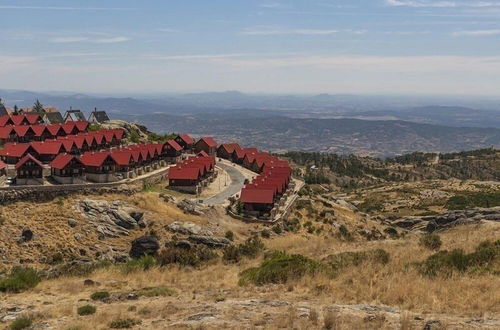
[16,110]
[38,107]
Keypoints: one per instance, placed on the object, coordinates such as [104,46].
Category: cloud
[77,39]
[267,31]
[62,8]
[492,32]
[441,4]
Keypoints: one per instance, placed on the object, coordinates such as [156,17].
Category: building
[3,169]
[185,141]
[12,153]
[206,144]
[73,115]
[171,151]
[239,154]
[67,169]
[257,201]
[47,150]
[226,150]
[52,118]
[5,121]
[184,179]
[124,163]
[98,117]
[29,171]
[99,167]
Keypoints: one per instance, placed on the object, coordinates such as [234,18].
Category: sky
[410,47]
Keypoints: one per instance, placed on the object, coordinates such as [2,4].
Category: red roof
[240,154]
[62,160]
[5,131]
[38,129]
[47,147]
[186,138]
[203,154]
[32,118]
[19,119]
[94,159]
[68,144]
[78,140]
[21,130]
[257,196]
[2,165]
[15,149]
[209,141]
[136,154]
[5,120]
[230,147]
[98,137]
[121,157]
[81,125]
[118,132]
[174,145]
[108,135]
[68,127]
[184,173]
[54,129]
[27,158]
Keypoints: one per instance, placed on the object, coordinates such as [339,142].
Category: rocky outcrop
[111,219]
[187,228]
[447,220]
[210,241]
[197,235]
[144,246]
[191,207]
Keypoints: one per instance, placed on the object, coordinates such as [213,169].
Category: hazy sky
[298,46]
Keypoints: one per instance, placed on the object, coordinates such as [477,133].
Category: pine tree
[38,107]
[16,110]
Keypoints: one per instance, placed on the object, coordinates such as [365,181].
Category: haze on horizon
[414,47]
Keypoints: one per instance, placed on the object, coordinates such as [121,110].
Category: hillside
[345,136]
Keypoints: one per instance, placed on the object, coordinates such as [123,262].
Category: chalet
[52,118]
[239,154]
[202,154]
[172,151]
[99,167]
[70,128]
[226,150]
[5,121]
[184,179]
[19,120]
[257,200]
[47,150]
[248,159]
[69,146]
[13,152]
[124,163]
[33,118]
[82,126]
[206,144]
[73,115]
[56,130]
[185,141]
[67,169]
[98,117]
[23,133]
[7,133]
[41,132]
[29,171]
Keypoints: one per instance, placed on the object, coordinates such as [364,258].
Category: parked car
[10,180]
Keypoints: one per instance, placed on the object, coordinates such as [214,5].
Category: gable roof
[257,196]
[203,153]
[68,127]
[184,173]
[209,141]
[82,125]
[2,165]
[5,120]
[99,116]
[54,128]
[74,115]
[19,119]
[121,157]
[186,138]
[27,158]
[32,118]
[38,129]
[53,117]
[15,149]
[230,147]
[94,159]
[62,160]
[6,131]
[176,146]
[22,130]
[47,147]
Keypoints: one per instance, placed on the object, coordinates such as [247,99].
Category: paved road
[237,181]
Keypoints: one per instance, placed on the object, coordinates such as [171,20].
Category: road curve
[237,182]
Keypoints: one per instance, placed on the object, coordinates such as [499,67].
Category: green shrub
[431,241]
[86,310]
[252,247]
[486,258]
[466,200]
[231,254]
[292,225]
[339,261]
[123,323]
[20,279]
[144,263]
[344,233]
[229,235]
[100,295]
[280,267]
[193,257]
[21,322]
[277,229]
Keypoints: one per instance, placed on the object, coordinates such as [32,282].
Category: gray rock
[187,228]
[72,222]
[145,245]
[123,219]
[211,241]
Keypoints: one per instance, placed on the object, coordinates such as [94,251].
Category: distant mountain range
[368,125]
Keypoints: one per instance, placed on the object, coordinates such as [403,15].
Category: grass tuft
[86,310]
[20,279]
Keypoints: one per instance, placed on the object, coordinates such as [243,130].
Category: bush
[123,323]
[344,233]
[231,254]
[144,263]
[280,267]
[444,263]
[292,225]
[265,233]
[100,295]
[21,322]
[86,310]
[431,241]
[337,262]
[20,279]
[250,249]
[229,235]
[193,257]
[277,229]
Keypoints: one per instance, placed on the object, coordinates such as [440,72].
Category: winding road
[237,182]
